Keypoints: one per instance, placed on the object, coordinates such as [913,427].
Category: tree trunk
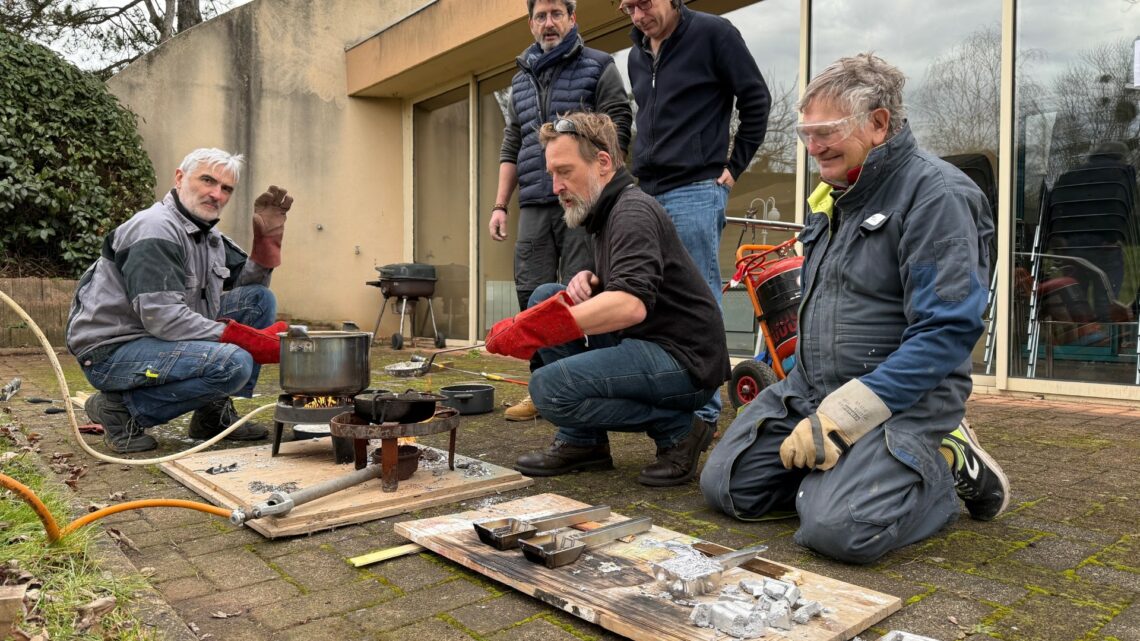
[189,14]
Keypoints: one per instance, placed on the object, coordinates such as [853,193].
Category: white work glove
[843,417]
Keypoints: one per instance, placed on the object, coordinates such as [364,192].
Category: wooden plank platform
[302,464]
[613,586]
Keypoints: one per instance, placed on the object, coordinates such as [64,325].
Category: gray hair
[570,6]
[211,157]
[860,84]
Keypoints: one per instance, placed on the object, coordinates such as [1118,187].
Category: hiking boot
[524,410]
[121,433]
[562,458]
[676,465]
[978,478]
[211,419]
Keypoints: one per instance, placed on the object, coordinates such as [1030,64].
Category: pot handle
[463,397]
[298,331]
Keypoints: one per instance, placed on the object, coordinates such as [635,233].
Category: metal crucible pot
[325,363]
[469,398]
[387,407]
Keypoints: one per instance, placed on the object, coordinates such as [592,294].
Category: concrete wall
[268,80]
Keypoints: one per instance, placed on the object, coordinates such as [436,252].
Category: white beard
[575,214]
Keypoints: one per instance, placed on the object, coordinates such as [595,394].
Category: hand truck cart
[771,274]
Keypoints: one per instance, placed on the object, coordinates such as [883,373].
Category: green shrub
[72,165]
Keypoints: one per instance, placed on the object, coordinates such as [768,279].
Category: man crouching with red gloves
[173,317]
[637,346]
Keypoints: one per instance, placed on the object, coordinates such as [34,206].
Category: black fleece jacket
[684,103]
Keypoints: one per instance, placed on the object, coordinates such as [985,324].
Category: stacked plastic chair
[1087,223]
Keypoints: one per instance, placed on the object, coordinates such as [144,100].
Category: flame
[405,440]
[322,401]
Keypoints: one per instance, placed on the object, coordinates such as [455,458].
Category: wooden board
[303,464]
[612,586]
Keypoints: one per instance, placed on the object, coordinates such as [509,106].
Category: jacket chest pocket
[870,254]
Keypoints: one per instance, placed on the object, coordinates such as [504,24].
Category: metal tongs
[562,548]
[504,534]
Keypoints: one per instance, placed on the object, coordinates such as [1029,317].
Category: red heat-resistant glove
[546,324]
[262,344]
[269,213]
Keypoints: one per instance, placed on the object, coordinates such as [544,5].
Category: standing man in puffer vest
[557,74]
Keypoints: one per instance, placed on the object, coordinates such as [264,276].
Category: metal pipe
[765,224]
[281,503]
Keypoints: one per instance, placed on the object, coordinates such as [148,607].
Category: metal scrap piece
[222,469]
[780,616]
[805,612]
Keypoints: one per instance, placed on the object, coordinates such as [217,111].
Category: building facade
[385,118]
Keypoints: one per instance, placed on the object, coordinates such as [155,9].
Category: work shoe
[676,465]
[121,433]
[524,410]
[209,421]
[562,458]
[977,477]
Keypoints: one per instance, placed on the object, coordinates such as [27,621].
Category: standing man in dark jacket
[557,74]
[687,68]
[866,437]
[174,317]
[656,349]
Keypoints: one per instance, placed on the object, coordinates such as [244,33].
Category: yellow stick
[384,555]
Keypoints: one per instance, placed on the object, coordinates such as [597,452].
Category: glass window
[497,295]
[951,55]
[439,226]
[1075,274]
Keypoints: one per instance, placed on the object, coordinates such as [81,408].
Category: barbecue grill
[408,283]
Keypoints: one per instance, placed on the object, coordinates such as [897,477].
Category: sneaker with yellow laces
[978,478]
[524,410]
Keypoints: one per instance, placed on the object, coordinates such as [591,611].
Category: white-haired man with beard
[637,345]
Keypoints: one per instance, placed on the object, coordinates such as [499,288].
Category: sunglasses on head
[565,126]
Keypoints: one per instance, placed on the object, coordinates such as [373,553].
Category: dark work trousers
[548,251]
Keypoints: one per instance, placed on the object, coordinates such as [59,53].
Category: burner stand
[290,411]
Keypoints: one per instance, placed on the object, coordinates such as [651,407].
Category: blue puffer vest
[563,79]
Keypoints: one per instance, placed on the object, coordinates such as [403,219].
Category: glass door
[441,202]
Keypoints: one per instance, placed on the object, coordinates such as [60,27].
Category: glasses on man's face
[628,7]
[556,16]
[830,133]
[564,126]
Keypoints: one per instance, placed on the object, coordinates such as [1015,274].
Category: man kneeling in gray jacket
[173,316]
[865,438]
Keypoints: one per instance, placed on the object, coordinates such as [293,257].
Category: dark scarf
[539,60]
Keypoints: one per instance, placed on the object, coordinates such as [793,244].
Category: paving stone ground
[1063,564]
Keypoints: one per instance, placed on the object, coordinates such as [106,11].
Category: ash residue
[257,487]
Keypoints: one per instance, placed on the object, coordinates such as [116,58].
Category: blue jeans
[698,211]
[590,387]
[161,380]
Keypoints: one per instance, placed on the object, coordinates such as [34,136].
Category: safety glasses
[564,126]
[829,133]
[628,7]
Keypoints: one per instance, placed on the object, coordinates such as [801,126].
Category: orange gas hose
[134,505]
[24,492]
[55,534]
